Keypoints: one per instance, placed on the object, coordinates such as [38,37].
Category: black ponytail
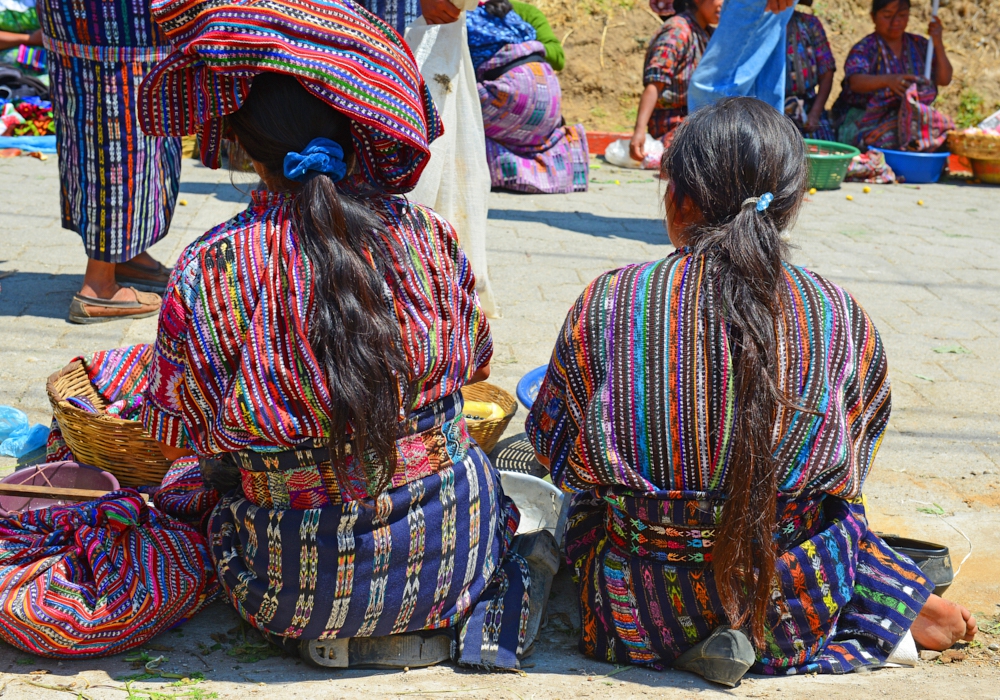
[353,331]
[724,158]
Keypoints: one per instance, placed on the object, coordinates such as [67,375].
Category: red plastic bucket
[598,141]
[67,475]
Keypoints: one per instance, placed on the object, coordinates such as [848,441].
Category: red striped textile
[340,52]
[98,578]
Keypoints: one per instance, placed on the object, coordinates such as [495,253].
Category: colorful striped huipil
[302,549]
[529,147]
[118,186]
[673,54]
[635,417]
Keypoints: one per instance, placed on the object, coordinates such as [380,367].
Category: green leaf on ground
[952,350]
[933,509]
[924,377]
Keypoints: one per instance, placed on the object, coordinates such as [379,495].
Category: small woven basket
[488,432]
[828,163]
[107,442]
[974,146]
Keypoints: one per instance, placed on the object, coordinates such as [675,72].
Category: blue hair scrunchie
[764,201]
[321,156]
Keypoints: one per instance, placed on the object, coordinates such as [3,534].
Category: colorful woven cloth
[672,56]
[889,121]
[527,145]
[399,14]
[118,186]
[98,578]
[339,51]
[870,167]
[489,33]
[120,372]
[425,555]
[182,493]
[637,410]
[203,378]
[809,55]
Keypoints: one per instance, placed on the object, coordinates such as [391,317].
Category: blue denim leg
[746,56]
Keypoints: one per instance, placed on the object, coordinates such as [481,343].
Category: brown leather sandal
[86,309]
[146,279]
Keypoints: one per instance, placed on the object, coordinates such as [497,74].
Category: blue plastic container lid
[527,388]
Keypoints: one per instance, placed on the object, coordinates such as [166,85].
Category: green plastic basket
[828,163]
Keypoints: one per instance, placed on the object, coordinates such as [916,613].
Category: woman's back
[244,299]
[645,359]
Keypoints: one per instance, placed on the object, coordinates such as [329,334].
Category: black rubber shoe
[723,657]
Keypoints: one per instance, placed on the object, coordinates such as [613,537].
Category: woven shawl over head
[339,51]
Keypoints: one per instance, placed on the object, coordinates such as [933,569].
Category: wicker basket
[488,432]
[828,163]
[978,146]
[115,445]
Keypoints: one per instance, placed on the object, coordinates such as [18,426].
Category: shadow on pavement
[38,293]
[645,230]
[224,192]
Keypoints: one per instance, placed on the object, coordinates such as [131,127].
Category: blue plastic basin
[527,388]
[916,168]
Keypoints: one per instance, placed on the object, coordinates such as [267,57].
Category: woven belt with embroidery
[108,54]
[305,478]
[684,532]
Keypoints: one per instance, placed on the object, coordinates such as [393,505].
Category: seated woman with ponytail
[311,350]
[714,415]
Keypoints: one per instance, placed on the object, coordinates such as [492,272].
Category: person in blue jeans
[746,56]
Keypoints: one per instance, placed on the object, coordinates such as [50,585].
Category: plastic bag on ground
[617,154]
[17,435]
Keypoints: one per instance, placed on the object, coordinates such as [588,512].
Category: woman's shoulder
[636,275]
[866,44]
[815,289]
[680,27]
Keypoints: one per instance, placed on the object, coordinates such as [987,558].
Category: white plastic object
[617,154]
[542,505]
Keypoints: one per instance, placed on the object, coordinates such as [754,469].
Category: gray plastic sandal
[723,657]
[410,650]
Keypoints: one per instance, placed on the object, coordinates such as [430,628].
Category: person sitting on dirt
[886,101]
[528,146]
[714,415]
[809,75]
[311,351]
[672,56]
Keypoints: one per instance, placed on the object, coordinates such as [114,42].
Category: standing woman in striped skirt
[118,186]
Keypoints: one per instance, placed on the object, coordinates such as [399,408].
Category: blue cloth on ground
[745,57]
[30,144]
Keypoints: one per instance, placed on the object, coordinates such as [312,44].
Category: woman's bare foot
[941,623]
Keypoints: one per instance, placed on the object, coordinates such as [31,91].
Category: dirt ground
[605,42]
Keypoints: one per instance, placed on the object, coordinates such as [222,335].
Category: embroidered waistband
[305,477]
[108,54]
[683,532]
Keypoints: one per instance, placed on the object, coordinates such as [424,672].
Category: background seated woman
[672,56]
[528,146]
[809,75]
[715,415]
[311,350]
[886,102]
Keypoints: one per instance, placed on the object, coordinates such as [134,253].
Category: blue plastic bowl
[916,168]
[527,388]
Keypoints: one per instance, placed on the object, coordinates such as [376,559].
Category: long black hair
[353,330]
[724,158]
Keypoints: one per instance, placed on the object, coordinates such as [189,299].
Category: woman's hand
[936,31]
[941,623]
[812,121]
[172,454]
[899,82]
[637,146]
[439,11]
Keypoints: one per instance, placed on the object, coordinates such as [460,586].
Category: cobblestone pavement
[928,275]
